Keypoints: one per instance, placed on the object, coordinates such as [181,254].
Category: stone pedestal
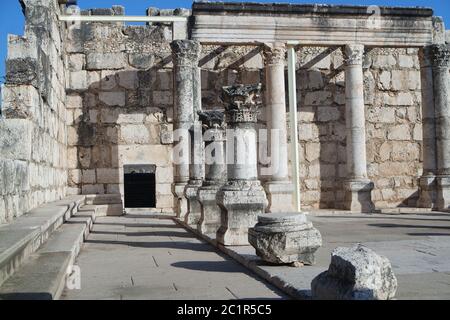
[193,205]
[243,197]
[240,204]
[181,201]
[282,238]
[358,196]
[216,171]
[427,192]
[185,55]
[357,187]
[279,189]
[443,193]
[441,81]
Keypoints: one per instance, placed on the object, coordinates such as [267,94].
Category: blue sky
[11,18]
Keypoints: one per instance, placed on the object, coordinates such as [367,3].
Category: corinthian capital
[440,56]
[354,54]
[185,52]
[274,53]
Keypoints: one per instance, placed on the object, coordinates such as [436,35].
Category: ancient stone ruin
[194,117]
[285,238]
[356,273]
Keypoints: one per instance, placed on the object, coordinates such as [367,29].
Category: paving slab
[143,257]
[416,243]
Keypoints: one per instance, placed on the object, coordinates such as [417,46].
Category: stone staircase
[37,250]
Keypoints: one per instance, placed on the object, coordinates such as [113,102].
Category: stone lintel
[271,9]
[322,25]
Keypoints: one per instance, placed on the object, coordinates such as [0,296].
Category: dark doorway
[140,186]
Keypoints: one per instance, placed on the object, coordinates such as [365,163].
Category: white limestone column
[243,197]
[197,165]
[185,56]
[427,182]
[357,186]
[216,171]
[279,189]
[441,82]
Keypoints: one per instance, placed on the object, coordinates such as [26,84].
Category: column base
[209,221]
[193,206]
[181,201]
[358,196]
[427,192]
[443,193]
[279,196]
[240,203]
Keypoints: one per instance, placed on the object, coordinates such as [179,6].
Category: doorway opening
[140,186]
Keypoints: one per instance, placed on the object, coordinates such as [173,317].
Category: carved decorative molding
[242,102]
[221,22]
[354,54]
[212,119]
[274,53]
[185,52]
[440,55]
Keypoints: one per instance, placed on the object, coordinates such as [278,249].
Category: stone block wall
[33,139]
[119,100]
[393,117]
[81,103]
[393,125]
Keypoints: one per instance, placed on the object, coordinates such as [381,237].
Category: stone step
[98,199]
[21,238]
[43,276]
[104,210]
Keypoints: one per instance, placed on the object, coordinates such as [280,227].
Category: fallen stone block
[355,273]
[283,238]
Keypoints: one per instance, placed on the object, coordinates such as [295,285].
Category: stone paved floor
[138,257]
[417,245]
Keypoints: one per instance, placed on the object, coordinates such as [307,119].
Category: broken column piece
[283,238]
[355,273]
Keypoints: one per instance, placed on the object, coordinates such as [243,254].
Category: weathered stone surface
[282,238]
[356,273]
[116,98]
[15,139]
[240,206]
[101,61]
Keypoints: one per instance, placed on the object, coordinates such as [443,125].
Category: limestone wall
[393,113]
[119,106]
[32,123]
[79,106]
[120,111]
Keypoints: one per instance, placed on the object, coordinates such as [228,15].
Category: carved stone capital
[211,119]
[354,54]
[440,55]
[274,53]
[185,52]
[242,102]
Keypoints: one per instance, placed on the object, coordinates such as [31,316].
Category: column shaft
[427,182]
[185,55]
[279,189]
[441,82]
[358,186]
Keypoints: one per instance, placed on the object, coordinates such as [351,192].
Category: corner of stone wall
[32,123]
